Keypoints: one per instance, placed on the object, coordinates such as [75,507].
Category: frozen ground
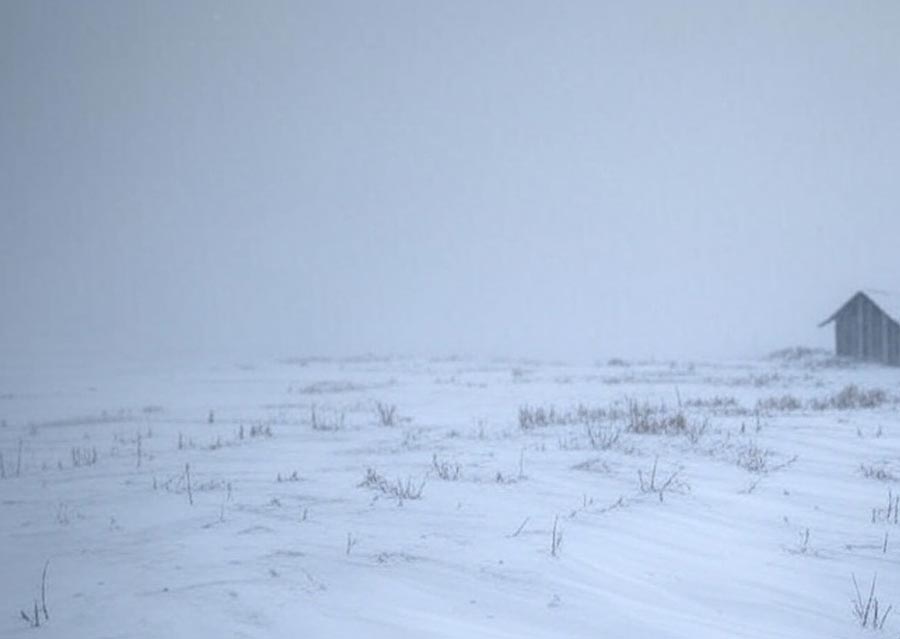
[752,527]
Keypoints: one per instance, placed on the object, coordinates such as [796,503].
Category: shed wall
[864,331]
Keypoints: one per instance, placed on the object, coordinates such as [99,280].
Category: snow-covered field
[291,499]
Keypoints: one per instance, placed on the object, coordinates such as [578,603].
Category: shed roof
[887,301]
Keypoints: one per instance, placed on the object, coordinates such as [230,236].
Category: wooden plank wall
[863,331]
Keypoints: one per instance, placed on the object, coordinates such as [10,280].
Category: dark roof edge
[853,297]
[834,315]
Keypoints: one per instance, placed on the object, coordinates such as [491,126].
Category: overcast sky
[555,179]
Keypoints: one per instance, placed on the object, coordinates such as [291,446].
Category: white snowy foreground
[437,519]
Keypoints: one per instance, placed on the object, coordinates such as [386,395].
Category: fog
[575,180]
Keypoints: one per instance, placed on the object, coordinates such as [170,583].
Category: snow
[723,553]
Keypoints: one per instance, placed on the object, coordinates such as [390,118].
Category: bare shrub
[187,442]
[757,381]
[318,422]
[594,465]
[874,472]
[798,354]
[83,456]
[890,514]
[867,611]
[602,438]
[650,485]
[327,386]
[520,528]
[695,431]
[591,414]
[62,514]
[34,619]
[717,402]
[556,538]
[187,475]
[783,403]
[569,442]
[531,417]
[646,419]
[182,483]
[851,397]
[445,470]
[260,430]
[519,375]
[44,591]
[753,457]
[397,489]
[387,414]
[803,547]
[537,417]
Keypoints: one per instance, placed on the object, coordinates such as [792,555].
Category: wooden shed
[866,327]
